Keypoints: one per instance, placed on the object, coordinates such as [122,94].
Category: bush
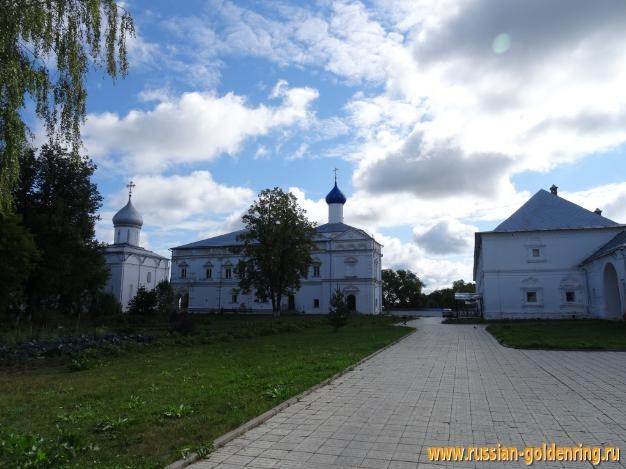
[143,304]
[165,299]
[105,306]
[338,313]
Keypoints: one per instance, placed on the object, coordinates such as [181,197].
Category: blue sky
[442,116]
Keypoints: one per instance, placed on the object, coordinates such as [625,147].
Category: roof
[128,215]
[335,196]
[618,242]
[546,211]
[230,239]
[123,247]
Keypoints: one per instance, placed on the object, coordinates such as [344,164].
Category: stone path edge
[256,421]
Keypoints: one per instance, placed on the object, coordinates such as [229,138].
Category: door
[351,300]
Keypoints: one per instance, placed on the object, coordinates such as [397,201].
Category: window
[316,270]
[149,277]
[316,303]
[233,298]
[183,272]
[209,273]
[570,296]
[127,235]
[531,296]
[228,273]
[536,251]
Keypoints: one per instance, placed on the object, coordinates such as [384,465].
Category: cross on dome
[131,185]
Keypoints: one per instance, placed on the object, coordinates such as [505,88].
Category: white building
[552,259]
[130,265]
[346,257]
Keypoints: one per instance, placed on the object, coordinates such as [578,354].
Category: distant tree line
[402,289]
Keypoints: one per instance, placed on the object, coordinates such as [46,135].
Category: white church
[130,265]
[552,259]
[203,272]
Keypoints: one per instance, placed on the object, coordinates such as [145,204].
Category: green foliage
[144,303]
[18,255]
[277,245]
[224,383]
[166,299]
[338,313]
[59,204]
[23,450]
[444,298]
[46,48]
[402,289]
[177,411]
[459,286]
[561,334]
[105,305]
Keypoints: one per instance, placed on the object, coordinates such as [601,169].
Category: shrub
[143,304]
[105,305]
[338,313]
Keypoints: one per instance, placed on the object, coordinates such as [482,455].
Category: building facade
[552,259]
[130,265]
[345,257]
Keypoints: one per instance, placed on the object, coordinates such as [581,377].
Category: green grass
[581,334]
[142,406]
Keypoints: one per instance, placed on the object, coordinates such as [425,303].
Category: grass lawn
[142,406]
[582,334]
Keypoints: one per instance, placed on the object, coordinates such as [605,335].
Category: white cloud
[191,128]
[184,202]
[435,273]
[446,237]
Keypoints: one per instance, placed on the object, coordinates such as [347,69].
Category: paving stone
[443,386]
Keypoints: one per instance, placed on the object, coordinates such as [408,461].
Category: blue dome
[128,215]
[335,196]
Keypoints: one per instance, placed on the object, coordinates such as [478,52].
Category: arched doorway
[611,292]
[351,300]
[183,301]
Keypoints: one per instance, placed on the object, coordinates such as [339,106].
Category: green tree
[443,298]
[459,286]
[19,255]
[58,203]
[144,303]
[166,298]
[46,49]
[402,289]
[276,247]
[338,312]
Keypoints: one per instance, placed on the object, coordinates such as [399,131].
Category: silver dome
[128,215]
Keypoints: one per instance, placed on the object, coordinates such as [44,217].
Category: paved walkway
[444,385]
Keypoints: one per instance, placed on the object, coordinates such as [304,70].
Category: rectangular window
[209,273]
[570,296]
[536,252]
[316,303]
[234,299]
[228,273]
[149,277]
[316,270]
[531,297]
[183,272]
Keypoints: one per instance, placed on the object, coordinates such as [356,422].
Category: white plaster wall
[211,294]
[128,275]
[505,268]
[595,276]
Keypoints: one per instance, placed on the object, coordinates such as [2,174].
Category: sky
[442,117]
